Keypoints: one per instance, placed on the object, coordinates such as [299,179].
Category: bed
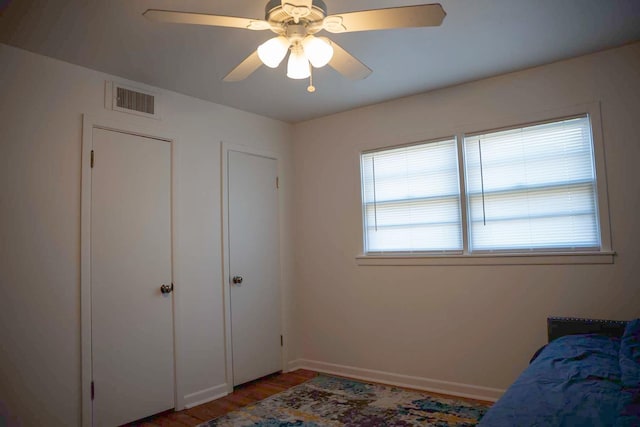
[587,375]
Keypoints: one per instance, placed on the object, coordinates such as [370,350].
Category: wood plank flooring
[243,395]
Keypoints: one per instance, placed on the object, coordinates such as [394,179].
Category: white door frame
[148,130]
[225,147]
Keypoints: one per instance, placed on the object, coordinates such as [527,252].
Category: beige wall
[41,109]
[473,325]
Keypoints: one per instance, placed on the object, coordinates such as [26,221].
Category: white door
[132,320]
[254,256]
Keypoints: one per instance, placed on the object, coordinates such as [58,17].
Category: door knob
[237,280]
[166,289]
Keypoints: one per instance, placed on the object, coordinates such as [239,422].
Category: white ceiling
[478,38]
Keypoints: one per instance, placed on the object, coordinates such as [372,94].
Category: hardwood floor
[243,395]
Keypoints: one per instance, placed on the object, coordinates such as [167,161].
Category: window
[411,198]
[521,190]
[532,188]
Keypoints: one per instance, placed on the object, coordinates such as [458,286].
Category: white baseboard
[294,365]
[204,396]
[418,383]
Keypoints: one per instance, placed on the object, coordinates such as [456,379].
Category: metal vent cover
[137,101]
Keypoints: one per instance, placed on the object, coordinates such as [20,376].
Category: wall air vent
[131,100]
[138,101]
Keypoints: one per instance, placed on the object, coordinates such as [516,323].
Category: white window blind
[411,199]
[532,188]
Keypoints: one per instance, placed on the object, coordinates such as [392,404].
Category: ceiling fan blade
[245,69]
[347,64]
[426,15]
[175,17]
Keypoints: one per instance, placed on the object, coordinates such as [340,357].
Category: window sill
[556,258]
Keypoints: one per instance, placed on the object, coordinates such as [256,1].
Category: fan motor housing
[274,12]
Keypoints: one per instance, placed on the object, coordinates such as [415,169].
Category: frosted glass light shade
[298,66]
[318,50]
[273,51]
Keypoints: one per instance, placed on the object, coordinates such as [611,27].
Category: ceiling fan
[296,22]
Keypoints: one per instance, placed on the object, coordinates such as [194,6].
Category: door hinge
[93,158]
[93,391]
[281,341]
[277,182]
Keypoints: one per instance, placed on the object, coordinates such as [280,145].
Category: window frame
[605,255]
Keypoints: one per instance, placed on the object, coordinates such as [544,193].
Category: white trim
[204,396]
[225,147]
[150,130]
[604,256]
[532,258]
[462,191]
[224,191]
[602,189]
[177,343]
[419,383]
[294,365]
[85,271]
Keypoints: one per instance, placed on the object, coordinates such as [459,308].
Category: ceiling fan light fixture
[318,50]
[295,22]
[298,66]
[273,51]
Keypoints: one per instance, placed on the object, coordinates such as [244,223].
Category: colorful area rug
[330,401]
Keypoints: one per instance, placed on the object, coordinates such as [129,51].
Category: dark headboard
[561,326]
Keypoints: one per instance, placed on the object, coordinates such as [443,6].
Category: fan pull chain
[375,200]
[484,212]
[311,87]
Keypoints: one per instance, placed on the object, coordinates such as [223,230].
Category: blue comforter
[577,380]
